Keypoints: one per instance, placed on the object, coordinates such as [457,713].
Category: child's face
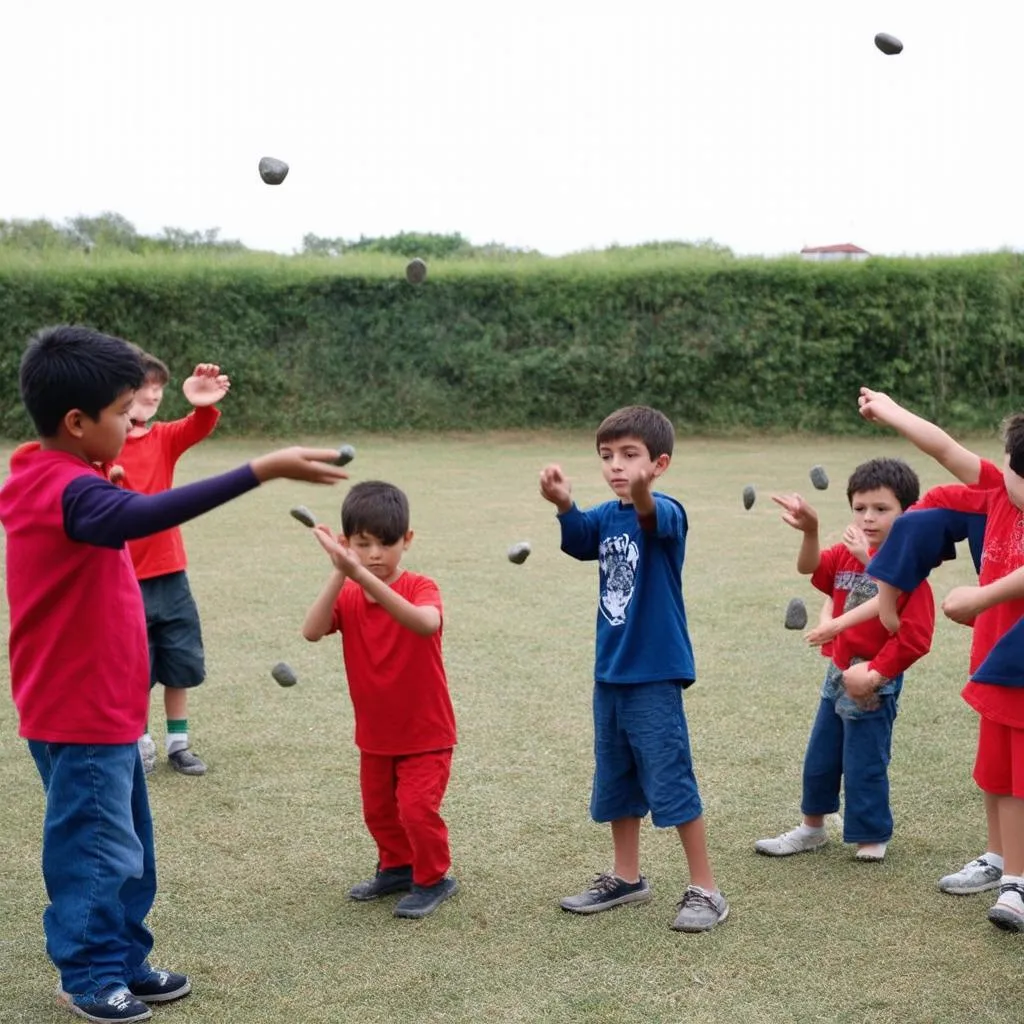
[874,512]
[383,560]
[148,399]
[102,440]
[1014,484]
[623,459]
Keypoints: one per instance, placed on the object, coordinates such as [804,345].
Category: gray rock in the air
[749,496]
[273,171]
[796,614]
[519,553]
[284,675]
[304,516]
[819,478]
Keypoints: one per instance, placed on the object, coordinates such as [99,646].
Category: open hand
[822,633]
[343,558]
[206,386]
[856,543]
[310,464]
[797,512]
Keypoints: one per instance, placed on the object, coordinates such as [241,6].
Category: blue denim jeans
[852,750]
[98,863]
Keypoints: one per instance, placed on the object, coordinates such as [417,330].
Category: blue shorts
[175,639]
[642,755]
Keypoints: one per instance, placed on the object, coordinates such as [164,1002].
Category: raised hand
[856,543]
[206,386]
[555,487]
[876,406]
[796,512]
[343,558]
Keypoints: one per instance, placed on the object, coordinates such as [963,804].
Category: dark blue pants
[854,753]
[98,863]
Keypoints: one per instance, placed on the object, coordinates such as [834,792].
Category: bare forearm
[321,613]
[934,441]
[810,554]
[424,620]
[1009,588]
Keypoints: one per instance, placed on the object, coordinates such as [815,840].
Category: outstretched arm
[829,628]
[798,514]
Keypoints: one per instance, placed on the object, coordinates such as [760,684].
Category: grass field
[255,858]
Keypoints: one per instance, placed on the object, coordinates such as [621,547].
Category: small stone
[304,516]
[796,614]
[519,553]
[749,496]
[346,453]
[284,675]
[889,45]
[819,478]
[416,271]
[272,171]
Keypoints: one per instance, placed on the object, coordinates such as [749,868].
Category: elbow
[310,634]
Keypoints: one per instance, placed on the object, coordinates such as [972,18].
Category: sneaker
[1007,913]
[184,761]
[383,883]
[796,841]
[113,1003]
[873,852]
[160,987]
[425,899]
[977,876]
[700,910]
[147,751]
[607,891]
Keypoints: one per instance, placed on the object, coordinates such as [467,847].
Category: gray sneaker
[607,891]
[1005,914]
[791,842]
[186,762]
[700,910]
[147,751]
[977,876]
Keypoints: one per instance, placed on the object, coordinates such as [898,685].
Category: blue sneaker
[113,1003]
[160,987]
[425,899]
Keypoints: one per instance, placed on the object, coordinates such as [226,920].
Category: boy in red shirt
[146,464]
[390,622]
[851,739]
[79,657]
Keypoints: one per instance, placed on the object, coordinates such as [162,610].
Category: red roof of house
[844,247]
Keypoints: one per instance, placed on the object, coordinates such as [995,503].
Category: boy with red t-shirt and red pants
[851,739]
[146,464]
[390,622]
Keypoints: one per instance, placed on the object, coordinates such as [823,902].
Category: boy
[146,464]
[390,622]
[995,687]
[851,738]
[79,657]
[644,661]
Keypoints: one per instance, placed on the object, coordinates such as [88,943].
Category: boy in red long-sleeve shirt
[146,464]
[851,739]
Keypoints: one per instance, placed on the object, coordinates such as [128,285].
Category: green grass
[255,858]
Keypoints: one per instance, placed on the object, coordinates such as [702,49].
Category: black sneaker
[425,899]
[607,891]
[186,762]
[383,883]
[160,987]
[114,1002]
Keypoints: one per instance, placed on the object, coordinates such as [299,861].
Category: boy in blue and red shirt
[851,738]
[80,661]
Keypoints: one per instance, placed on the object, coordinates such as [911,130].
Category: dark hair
[640,421]
[67,368]
[377,508]
[153,367]
[1013,439]
[892,473]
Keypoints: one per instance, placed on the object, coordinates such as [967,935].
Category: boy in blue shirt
[644,661]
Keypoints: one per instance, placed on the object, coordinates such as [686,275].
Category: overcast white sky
[552,124]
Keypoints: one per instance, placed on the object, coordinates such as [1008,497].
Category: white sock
[176,741]
[995,859]
[1011,897]
[804,829]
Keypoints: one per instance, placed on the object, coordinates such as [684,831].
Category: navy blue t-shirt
[641,619]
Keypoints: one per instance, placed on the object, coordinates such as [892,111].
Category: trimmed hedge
[330,346]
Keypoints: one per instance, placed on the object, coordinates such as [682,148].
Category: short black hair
[376,508]
[1013,440]
[69,367]
[892,473]
[640,421]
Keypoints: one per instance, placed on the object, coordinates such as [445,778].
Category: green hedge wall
[333,346]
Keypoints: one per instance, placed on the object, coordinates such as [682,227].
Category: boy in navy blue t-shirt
[644,661]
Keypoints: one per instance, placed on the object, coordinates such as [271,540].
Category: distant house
[845,251]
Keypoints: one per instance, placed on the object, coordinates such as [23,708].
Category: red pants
[401,807]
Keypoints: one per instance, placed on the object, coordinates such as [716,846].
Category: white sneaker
[874,852]
[1008,912]
[796,841]
[977,876]
[147,751]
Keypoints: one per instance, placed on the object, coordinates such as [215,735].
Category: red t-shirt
[843,576]
[78,650]
[396,678]
[1003,553]
[148,462]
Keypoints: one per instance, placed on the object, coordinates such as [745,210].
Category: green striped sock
[177,734]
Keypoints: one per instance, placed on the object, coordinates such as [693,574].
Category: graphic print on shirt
[1001,556]
[617,557]
[860,587]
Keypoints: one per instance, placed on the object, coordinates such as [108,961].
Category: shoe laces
[605,883]
[694,894]
[120,999]
[1008,887]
